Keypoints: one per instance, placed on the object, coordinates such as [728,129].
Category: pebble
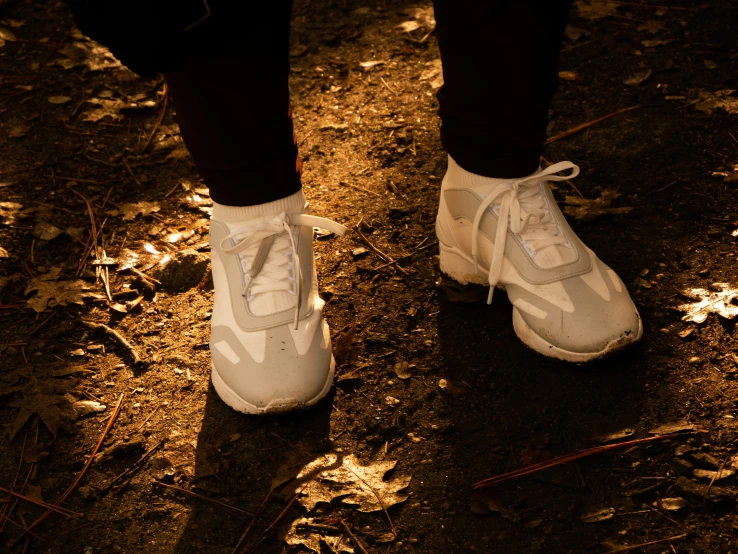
[694,360]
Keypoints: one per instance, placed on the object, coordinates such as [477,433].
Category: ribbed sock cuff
[295,203]
[459,177]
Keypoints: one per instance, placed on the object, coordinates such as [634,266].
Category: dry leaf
[334,476]
[637,78]
[58,99]
[708,102]
[720,300]
[60,293]
[371,63]
[107,107]
[654,42]
[651,26]
[672,504]
[596,9]
[434,74]
[143,255]
[675,427]
[7,34]
[86,407]
[409,26]
[9,212]
[715,475]
[55,411]
[88,53]
[130,210]
[19,130]
[300,533]
[599,515]
[588,210]
[46,231]
[569,76]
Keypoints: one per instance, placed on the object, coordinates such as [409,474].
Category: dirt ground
[92,169]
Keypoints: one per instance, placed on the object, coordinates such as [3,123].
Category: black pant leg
[500,73]
[232,100]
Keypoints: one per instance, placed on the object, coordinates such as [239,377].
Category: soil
[477,403]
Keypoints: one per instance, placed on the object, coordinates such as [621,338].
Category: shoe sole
[277,406]
[456,266]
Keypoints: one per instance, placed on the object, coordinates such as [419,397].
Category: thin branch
[89,462]
[589,124]
[568,458]
[645,544]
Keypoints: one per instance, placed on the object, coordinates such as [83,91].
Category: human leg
[500,75]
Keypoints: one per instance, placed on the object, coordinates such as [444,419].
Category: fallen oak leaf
[719,300]
[334,476]
[55,411]
[309,534]
[50,294]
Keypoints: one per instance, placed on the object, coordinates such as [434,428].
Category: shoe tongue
[267,303]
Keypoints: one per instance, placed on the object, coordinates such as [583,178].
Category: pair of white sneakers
[271,347]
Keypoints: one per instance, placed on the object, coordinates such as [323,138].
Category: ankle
[458,177]
[295,203]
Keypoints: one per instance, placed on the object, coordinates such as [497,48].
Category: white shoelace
[522,202]
[268,254]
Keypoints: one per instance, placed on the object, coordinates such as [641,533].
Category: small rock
[185,270]
[87,493]
[359,252]
[679,466]
[391,401]
[672,504]
[705,460]
[402,370]
[695,360]
[697,491]
[713,475]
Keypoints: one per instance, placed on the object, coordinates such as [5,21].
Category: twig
[112,333]
[667,186]
[136,465]
[89,462]
[279,517]
[232,509]
[568,181]
[651,6]
[144,422]
[589,124]
[387,258]
[362,189]
[128,167]
[643,545]
[50,507]
[712,480]
[5,518]
[353,537]
[251,523]
[410,255]
[159,120]
[386,85]
[568,458]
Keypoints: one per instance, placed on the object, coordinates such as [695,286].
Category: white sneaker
[567,304]
[270,346]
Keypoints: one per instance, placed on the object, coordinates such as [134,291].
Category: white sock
[458,177]
[295,203]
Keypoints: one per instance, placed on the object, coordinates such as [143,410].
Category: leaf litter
[719,300]
[334,475]
[57,293]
